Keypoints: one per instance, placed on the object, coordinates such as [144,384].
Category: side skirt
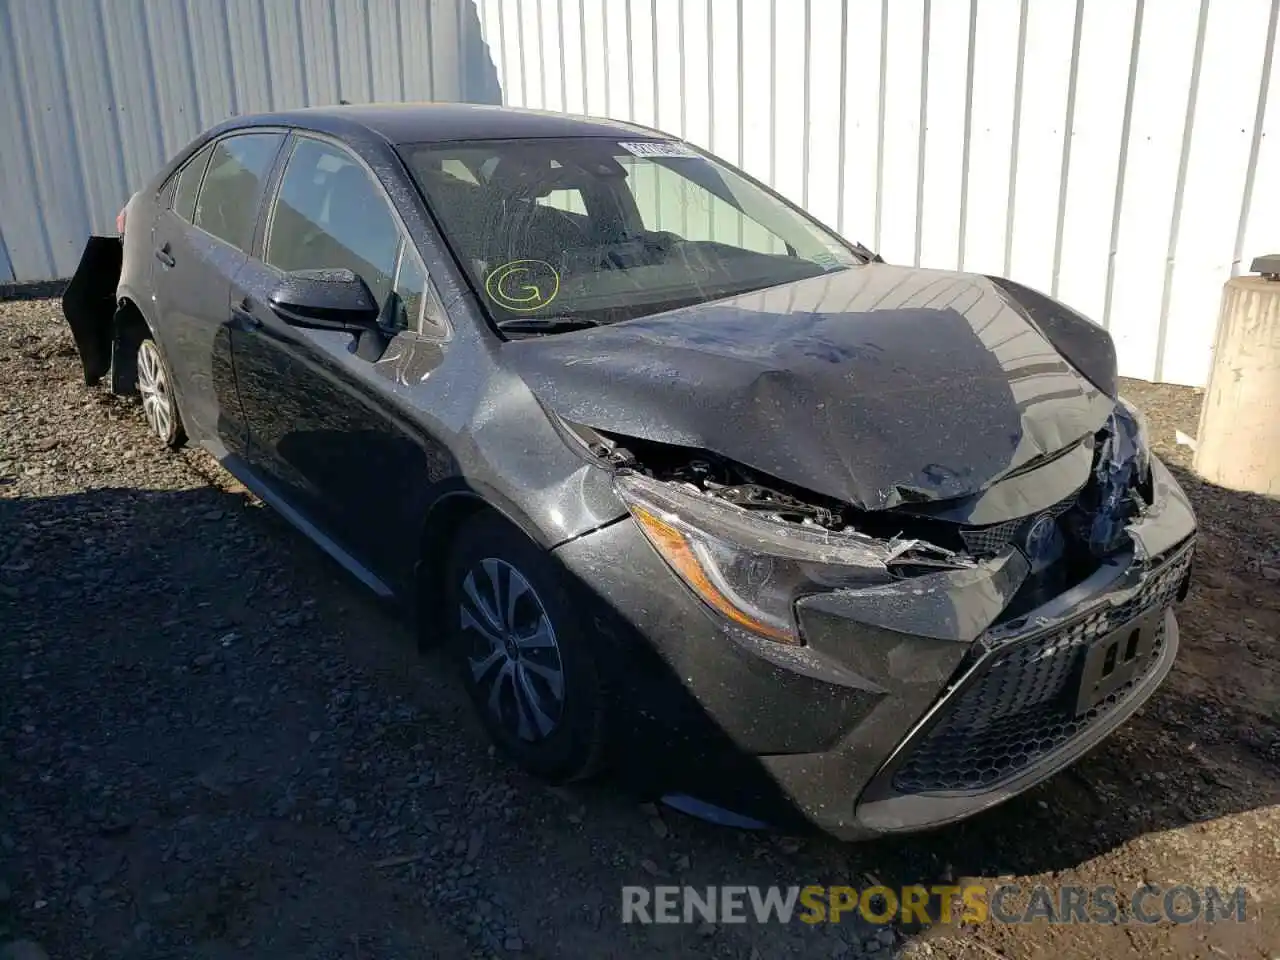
[238,468]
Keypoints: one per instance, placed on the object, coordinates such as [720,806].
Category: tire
[509,662]
[159,403]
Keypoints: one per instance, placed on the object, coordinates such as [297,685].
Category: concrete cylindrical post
[1239,437]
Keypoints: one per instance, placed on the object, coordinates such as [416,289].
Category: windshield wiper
[544,324]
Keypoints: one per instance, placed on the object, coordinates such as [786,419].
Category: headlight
[1136,428]
[750,569]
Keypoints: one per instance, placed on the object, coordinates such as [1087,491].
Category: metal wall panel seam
[266,59]
[190,59]
[462,25]
[1126,126]
[542,55]
[1067,133]
[230,59]
[807,77]
[711,83]
[884,72]
[337,49]
[110,80]
[711,108]
[524,80]
[432,88]
[684,110]
[631,67]
[967,134]
[306,93]
[742,141]
[843,121]
[368,50]
[502,51]
[922,135]
[1255,145]
[582,41]
[162,141]
[302,54]
[564,67]
[684,116]
[1015,135]
[773,91]
[6,265]
[28,130]
[73,126]
[653,55]
[604,38]
[1184,158]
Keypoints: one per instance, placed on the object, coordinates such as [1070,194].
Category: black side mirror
[325,300]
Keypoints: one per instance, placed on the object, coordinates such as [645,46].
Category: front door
[324,420]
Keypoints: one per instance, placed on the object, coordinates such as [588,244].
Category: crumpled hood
[877,385]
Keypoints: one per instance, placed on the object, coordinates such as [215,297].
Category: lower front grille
[1019,703]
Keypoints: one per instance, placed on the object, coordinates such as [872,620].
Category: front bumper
[908,707]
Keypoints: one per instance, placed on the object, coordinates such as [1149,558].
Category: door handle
[165,257]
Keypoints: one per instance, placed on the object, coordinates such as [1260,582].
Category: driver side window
[328,214]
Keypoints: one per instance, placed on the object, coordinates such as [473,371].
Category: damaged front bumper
[89,304]
[909,705]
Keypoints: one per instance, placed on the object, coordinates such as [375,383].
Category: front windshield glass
[595,230]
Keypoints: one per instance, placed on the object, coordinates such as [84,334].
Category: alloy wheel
[512,651]
[153,385]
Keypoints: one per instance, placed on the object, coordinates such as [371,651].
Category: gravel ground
[214,744]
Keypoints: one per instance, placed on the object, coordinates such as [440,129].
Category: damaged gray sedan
[690,486]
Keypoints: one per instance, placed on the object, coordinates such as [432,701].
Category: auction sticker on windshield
[660,148]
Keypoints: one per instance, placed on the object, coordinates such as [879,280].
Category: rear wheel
[155,386]
[525,661]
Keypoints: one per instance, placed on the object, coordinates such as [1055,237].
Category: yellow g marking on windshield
[523,286]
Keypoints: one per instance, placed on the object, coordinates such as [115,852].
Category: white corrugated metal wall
[95,95]
[1122,154]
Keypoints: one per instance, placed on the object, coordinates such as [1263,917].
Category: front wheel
[525,661]
[155,386]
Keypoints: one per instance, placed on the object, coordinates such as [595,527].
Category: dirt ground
[214,744]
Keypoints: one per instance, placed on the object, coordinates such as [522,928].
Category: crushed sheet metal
[952,605]
[877,386]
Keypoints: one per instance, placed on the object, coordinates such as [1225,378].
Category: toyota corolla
[689,484]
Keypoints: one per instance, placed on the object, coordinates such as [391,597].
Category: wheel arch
[129,327]
[448,513]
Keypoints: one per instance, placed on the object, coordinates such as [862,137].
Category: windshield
[595,231]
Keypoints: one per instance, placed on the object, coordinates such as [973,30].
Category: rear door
[201,242]
[325,427]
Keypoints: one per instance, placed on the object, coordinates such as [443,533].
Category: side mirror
[325,300]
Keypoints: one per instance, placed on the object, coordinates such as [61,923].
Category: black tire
[155,388]
[572,748]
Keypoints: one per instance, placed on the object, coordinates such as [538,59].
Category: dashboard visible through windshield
[591,230]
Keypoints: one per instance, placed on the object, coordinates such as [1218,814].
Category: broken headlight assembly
[1121,475]
[753,568]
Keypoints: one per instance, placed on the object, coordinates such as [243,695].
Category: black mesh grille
[1021,706]
[985,541]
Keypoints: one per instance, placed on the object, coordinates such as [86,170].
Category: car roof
[404,123]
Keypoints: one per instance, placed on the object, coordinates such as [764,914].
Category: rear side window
[184,201]
[227,204]
[329,213]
